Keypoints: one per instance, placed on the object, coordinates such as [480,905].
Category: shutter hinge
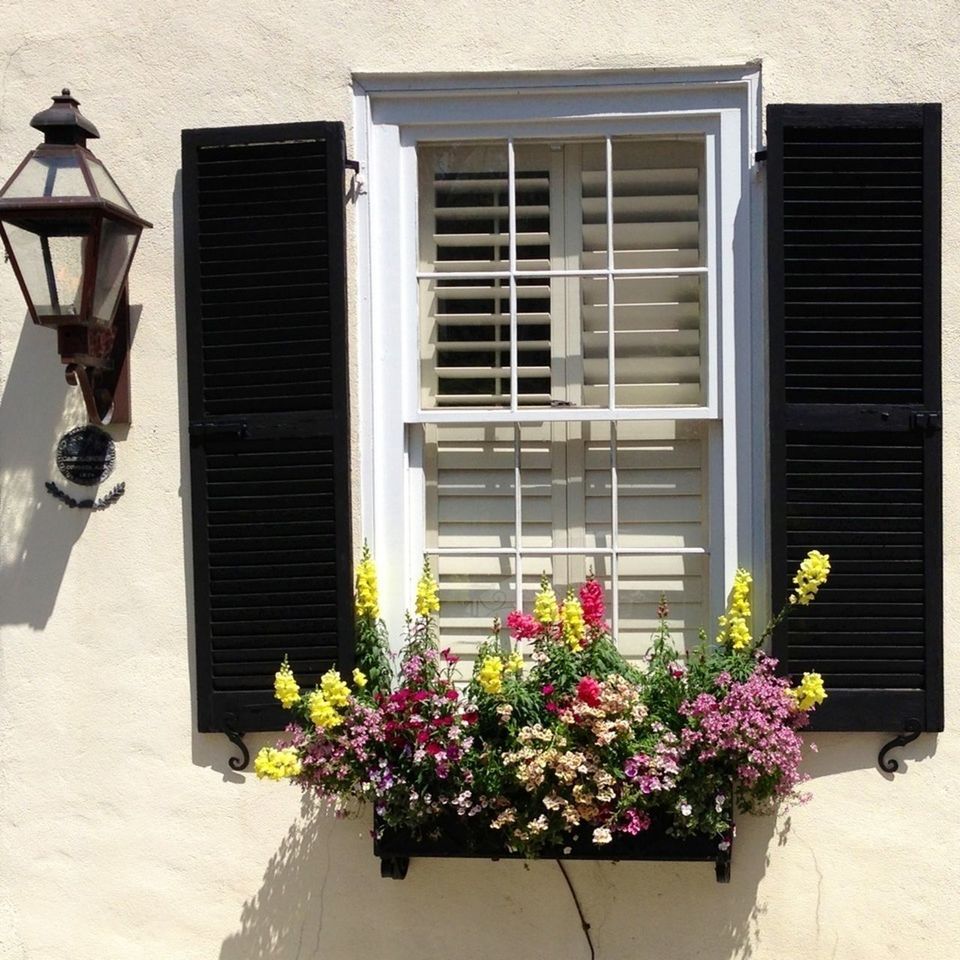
[218,428]
[359,185]
[927,421]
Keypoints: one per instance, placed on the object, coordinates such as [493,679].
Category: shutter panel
[854,286]
[268,406]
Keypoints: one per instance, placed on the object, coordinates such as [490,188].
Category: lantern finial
[63,123]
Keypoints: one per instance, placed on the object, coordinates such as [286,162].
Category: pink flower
[547,689]
[634,822]
[522,625]
[451,694]
[588,690]
[591,599]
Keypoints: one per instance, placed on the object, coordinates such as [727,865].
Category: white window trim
[392,113]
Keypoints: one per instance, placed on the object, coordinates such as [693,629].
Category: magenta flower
[591,599]
[522,625]
[589,690]
[634,822]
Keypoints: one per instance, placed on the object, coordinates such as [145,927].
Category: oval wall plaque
[86,455]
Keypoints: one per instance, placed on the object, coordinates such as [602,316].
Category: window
[559,333]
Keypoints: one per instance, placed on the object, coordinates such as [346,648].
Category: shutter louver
[266,341]
[854,257]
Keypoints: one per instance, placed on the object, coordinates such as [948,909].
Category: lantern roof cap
[63,123]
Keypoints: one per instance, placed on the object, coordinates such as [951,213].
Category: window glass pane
[661,484]
[465,321]
[117,241]
[657,331]
[106,186]
[656,203]
[473,590]
[51,267]
[52,175]
[681,579]
[470,486]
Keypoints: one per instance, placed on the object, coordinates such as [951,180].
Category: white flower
[602,835]
[686,809]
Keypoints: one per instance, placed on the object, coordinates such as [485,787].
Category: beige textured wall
[124,833]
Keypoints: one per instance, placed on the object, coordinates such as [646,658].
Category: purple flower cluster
[753,725]
[658,771]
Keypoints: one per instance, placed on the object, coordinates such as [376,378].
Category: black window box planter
[457,839]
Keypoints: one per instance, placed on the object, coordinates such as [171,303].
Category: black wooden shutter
[855,448]
[263,236]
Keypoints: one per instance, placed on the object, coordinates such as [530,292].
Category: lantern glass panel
[51,265]
[48,175]
[117,243]
[106,185]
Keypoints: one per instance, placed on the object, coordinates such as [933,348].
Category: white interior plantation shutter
[855,443]
[509,500]
[263,246]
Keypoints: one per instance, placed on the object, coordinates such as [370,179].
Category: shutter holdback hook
[912,728]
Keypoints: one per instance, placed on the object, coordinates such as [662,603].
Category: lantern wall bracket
[105,387]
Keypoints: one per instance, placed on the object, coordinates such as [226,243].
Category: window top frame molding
[394,112]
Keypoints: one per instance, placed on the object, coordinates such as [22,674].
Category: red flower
[551,707]
[588,690]
[451,695]
[433,749]
[591,599]
[522,625]
[471,716]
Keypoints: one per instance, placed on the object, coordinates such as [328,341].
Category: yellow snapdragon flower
[546,610]
[427,601]
[285,687]
[574,625]
[490,675]
[359,678]
[809,693]
[334,690]
[322,712]
[811,576]
[734,628]
[515,662]
[367,600]
[273,764]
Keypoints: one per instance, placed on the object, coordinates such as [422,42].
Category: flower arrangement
[555,735]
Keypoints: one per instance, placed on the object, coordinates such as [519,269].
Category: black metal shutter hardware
[268,408]
[855,444]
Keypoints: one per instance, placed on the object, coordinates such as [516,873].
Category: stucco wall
[124,833]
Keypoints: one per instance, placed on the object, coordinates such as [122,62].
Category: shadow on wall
[36,409]
[211,750]
[322,897]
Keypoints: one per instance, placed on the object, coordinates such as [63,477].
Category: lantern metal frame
[94,349]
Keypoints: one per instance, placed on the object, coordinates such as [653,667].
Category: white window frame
[392,114]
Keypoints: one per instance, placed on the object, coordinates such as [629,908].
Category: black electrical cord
[576,900]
